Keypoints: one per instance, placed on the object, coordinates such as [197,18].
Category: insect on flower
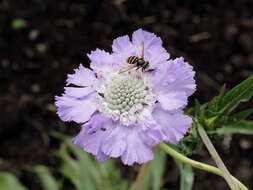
[125,114]
[136,62]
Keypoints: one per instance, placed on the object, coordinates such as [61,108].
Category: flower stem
[141,176]
[197,164]
[216,158]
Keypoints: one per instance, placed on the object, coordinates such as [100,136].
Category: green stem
[197,164]
[210,147]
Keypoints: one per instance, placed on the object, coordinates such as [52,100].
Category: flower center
[125,95]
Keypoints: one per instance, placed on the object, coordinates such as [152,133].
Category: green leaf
[10,182]
[241,115]
[111,175]
[75,170]
[47,179]
[153,178]
[186,175]
[157,169]
[213,105]
[241,93]
[243,127]
[81,170]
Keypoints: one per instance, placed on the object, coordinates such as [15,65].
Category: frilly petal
[123,48]
[173,125]
[101,157]
[153,49]
[82,77]
[137,150]
[153,136]
[115,143]
[176,75]
[92,135]
[102,62]
[172,100]
[73,109]
[122,44]
[78,92]
[149,39]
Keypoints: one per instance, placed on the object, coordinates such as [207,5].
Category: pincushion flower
[125,114]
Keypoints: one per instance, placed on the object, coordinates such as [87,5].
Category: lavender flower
[125,114]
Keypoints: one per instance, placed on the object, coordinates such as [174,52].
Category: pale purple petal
[156,55]
[146,120]
[78,92]
[173,125]
[101,157]
[176,75]
[82,77]
[122,44]
[172,100]
[153,136]
[115,143]
[92,135]
[103,63]
[154,52]
[78,110]
[137,150]
[123,48]
[149,39]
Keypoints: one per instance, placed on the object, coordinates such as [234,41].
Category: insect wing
[142,50]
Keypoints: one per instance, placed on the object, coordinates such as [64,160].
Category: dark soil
[216,37]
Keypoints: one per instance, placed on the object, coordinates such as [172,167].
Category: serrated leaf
[240,93]
[8,181]
[47,179]
[186,175]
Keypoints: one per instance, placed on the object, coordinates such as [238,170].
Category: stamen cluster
[124,96]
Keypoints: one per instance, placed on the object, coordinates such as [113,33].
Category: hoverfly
[136,62]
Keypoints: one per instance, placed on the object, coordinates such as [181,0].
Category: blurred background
[42,41]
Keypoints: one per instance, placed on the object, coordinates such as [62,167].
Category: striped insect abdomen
[132,60]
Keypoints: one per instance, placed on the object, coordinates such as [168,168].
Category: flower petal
[149,39]
[123,48]
[145,119]
[102,62]
[153,136]
[78,92]
[82,77]
[115,143]
[137,150]
[174,125]
[78,110]
[121,44]
[176,75]
[156,55]
[172,100]
[92,135]
[101,157]
[154,52]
